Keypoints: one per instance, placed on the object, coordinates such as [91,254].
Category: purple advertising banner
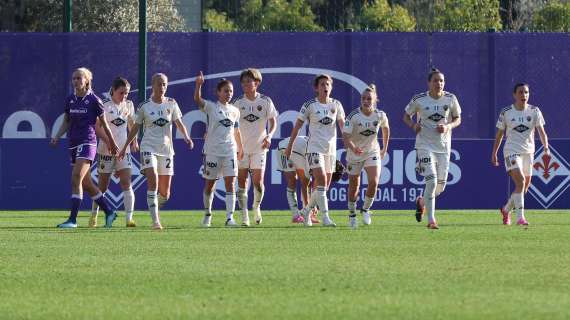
[480,68]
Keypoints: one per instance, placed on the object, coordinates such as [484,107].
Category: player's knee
[165,195]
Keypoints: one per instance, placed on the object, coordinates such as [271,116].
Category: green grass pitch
[472,268]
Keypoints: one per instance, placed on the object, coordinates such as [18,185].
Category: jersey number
[167,163]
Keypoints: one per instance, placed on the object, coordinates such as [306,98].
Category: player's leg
[291,194]
[426,168]
[258,174]
[230,172]
[354,170]
[104,170]
[149,169]
[242,198]
[323,204]
[79,169]
[128,195]
[520,174]
[442,170]
[97,197]
[373,174]
[165,167]
[211,172]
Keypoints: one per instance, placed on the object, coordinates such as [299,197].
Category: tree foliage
[380,16]
[554,17]
[100,16]
[218,21]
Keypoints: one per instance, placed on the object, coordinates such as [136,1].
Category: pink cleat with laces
[522,222]
[506,216]
[298,219]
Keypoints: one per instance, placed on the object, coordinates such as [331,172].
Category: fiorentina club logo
[114,194]
[553,175]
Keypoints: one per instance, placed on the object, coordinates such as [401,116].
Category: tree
[554,17]
[380,16]
[296,15]
[456,15]
[218,21]
[100,16]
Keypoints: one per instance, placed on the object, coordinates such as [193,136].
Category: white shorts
[163,165]
[354,168]
[323,161]
[253,161]
[432,164]
[108,163]
[295,162]
[522,161]
[216,167]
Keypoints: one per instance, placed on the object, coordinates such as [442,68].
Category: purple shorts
[83,151]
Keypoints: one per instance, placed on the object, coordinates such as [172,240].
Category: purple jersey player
[83,110]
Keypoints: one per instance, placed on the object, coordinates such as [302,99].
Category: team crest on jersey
[521,128]
[528,118]
[259,108]
[435,117]
[326,121]
[367,133]
[375,123]
[445,107]
[115,194]
[553,175]
[118,122]
[226,122]
[251,117]
[161,122]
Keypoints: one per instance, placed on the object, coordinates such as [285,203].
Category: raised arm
[198,91]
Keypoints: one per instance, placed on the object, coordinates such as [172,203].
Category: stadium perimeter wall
[480,68]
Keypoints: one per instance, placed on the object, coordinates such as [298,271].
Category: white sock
[242,199]
[94,208]
[518,199]
[292,200]
[152,203]
[208,199]
[510,204]
[161,200]
[367,203]
[129,203]
[230,204]
[352,208]
[258,197]
[322,201]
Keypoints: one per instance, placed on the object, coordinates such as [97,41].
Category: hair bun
[372,86]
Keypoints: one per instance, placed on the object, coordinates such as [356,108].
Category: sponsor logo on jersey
[367,132]
[161,122]
[118,122]
[326,121]
[77,110]
[226,122]
[115,194]
[552,177]
[251,117]
[435,117]
[521,128]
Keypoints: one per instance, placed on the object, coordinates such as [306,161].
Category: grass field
[472,268]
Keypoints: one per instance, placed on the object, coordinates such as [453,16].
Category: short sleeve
[98,106]
[131,110]
[412,108]
[304,112]
[384,120]
[340,114]
[348,126]
[539,119]
[501,124]
[140,116]
[208,106]
[455,107]
[176,113]
[271,111]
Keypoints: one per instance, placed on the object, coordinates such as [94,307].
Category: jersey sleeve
[140,116]
[412,108]
[176,113]
[384,120]
[348,126]
[208,106]
[340,114]
[67,106]
[304,112]
[455,107]
[539,119]
[98,107]
[271,110]
[131,110]
[501,124]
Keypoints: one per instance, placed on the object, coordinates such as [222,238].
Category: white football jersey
[156,121]
[430,113]
[117,117]
[222,119]
[322,120]
[363,131]
[519,128]
[253,121]
[299,146]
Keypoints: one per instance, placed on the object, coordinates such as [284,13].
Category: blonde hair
[372,89]
[87,74]
[159,75]
[252,73]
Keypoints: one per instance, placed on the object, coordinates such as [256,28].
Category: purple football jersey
[83,113]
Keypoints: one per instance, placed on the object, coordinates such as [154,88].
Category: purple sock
[75,203]
[102,202]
